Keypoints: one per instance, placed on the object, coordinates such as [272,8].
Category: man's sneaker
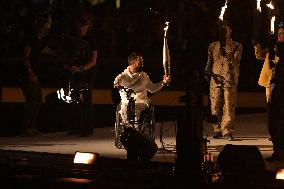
[217,135]
[228,137]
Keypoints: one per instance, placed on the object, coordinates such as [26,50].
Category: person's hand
[75,69]
[257,49]
[207,76]
[166,79]
[117,86]
[271,64]
[230,55]
[217,78]
[33,77]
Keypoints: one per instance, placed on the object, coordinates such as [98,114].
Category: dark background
[135,25]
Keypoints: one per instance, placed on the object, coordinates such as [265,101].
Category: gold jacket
[266,72]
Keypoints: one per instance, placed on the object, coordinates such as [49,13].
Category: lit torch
[166,52]
[257,22]
[258,7]
[272,24]
[221,17]
[271,42]
[270,5]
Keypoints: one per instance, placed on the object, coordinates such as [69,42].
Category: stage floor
[250,129]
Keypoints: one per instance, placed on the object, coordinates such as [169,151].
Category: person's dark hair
[225,23]
[281,25]
[41,22]
[77,25]
[132,56]
[83,22]
[42,25]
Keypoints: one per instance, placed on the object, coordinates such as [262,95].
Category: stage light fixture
[280,174]
[85,158]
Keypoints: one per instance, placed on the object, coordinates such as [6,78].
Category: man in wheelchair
[133,85]
[133,78]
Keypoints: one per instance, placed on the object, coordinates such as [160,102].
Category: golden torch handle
[166,53]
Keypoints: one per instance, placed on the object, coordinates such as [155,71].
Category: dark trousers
[83,113]
[87,111]
[276,123]
[33,101]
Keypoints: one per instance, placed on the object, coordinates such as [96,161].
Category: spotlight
[83,166]
[85,158]
[280,174]
[82,171]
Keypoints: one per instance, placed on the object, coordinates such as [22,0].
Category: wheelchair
[146,125]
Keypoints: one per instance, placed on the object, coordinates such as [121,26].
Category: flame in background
[270,5]
[272,24]
[258,7]
[221,17]
[166,28]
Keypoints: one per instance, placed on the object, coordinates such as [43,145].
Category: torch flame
[258,7]
[272,24]
[270,5]
[223,11]
[166,28]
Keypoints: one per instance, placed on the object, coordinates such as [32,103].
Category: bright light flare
[258,7]
[272,24]
[166,28]
[63,95]
[280,174]
[270,5]
[84,158]
[221,17]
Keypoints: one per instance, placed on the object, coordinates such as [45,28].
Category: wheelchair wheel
[147,126]
[119,128]
[148,123]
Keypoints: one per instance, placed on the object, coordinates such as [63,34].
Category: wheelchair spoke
[146,125]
